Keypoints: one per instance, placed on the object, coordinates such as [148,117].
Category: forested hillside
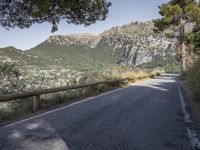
[77,58]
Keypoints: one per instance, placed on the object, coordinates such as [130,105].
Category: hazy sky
[121,12]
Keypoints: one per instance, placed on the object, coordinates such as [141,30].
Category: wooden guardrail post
[94,89]
[36,102]
[124,82]
[111,84]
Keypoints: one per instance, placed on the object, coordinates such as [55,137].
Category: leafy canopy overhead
[193,39]
[24,13]
[177,12]
[176,15]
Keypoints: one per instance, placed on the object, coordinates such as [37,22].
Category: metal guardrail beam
[9,97]
[36,94]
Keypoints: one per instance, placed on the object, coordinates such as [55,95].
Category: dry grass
[191,84]
[194,105]
[117,72]
[192,77]
[14,109]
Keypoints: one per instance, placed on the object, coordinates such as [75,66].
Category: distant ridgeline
[133,44]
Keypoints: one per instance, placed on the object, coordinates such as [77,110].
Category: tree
[178,13]
[24,13]
[193,39]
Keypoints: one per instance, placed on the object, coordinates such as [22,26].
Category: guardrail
[36,94]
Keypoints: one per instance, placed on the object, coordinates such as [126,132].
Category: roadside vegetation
[170,65]
[192,75]
[13,81]
[192,78]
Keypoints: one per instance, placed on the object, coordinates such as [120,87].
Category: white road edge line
[75,103]
[72,104]
[191,132]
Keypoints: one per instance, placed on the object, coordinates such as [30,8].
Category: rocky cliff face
[139,49]
[74,39]
[136,42]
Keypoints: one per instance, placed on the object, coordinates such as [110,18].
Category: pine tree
[178,13]
[24,13]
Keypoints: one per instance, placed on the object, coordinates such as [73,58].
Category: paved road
[146,116]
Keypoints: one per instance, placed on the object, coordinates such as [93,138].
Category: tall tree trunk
[183,57]
[183,47]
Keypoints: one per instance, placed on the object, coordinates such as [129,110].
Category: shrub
[10,79]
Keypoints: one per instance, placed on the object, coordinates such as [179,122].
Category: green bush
[170,64]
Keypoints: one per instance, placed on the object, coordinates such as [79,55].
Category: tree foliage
[177,14]
[193,39]
[24,13]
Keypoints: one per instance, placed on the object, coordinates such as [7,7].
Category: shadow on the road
[167,76]
[35,135]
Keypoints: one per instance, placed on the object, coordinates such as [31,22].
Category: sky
[121,12]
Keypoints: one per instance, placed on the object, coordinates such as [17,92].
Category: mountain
[133,44]
[72,58]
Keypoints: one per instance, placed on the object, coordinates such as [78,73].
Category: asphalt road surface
[145,116]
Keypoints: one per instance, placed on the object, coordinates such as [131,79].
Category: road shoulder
[192,107]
